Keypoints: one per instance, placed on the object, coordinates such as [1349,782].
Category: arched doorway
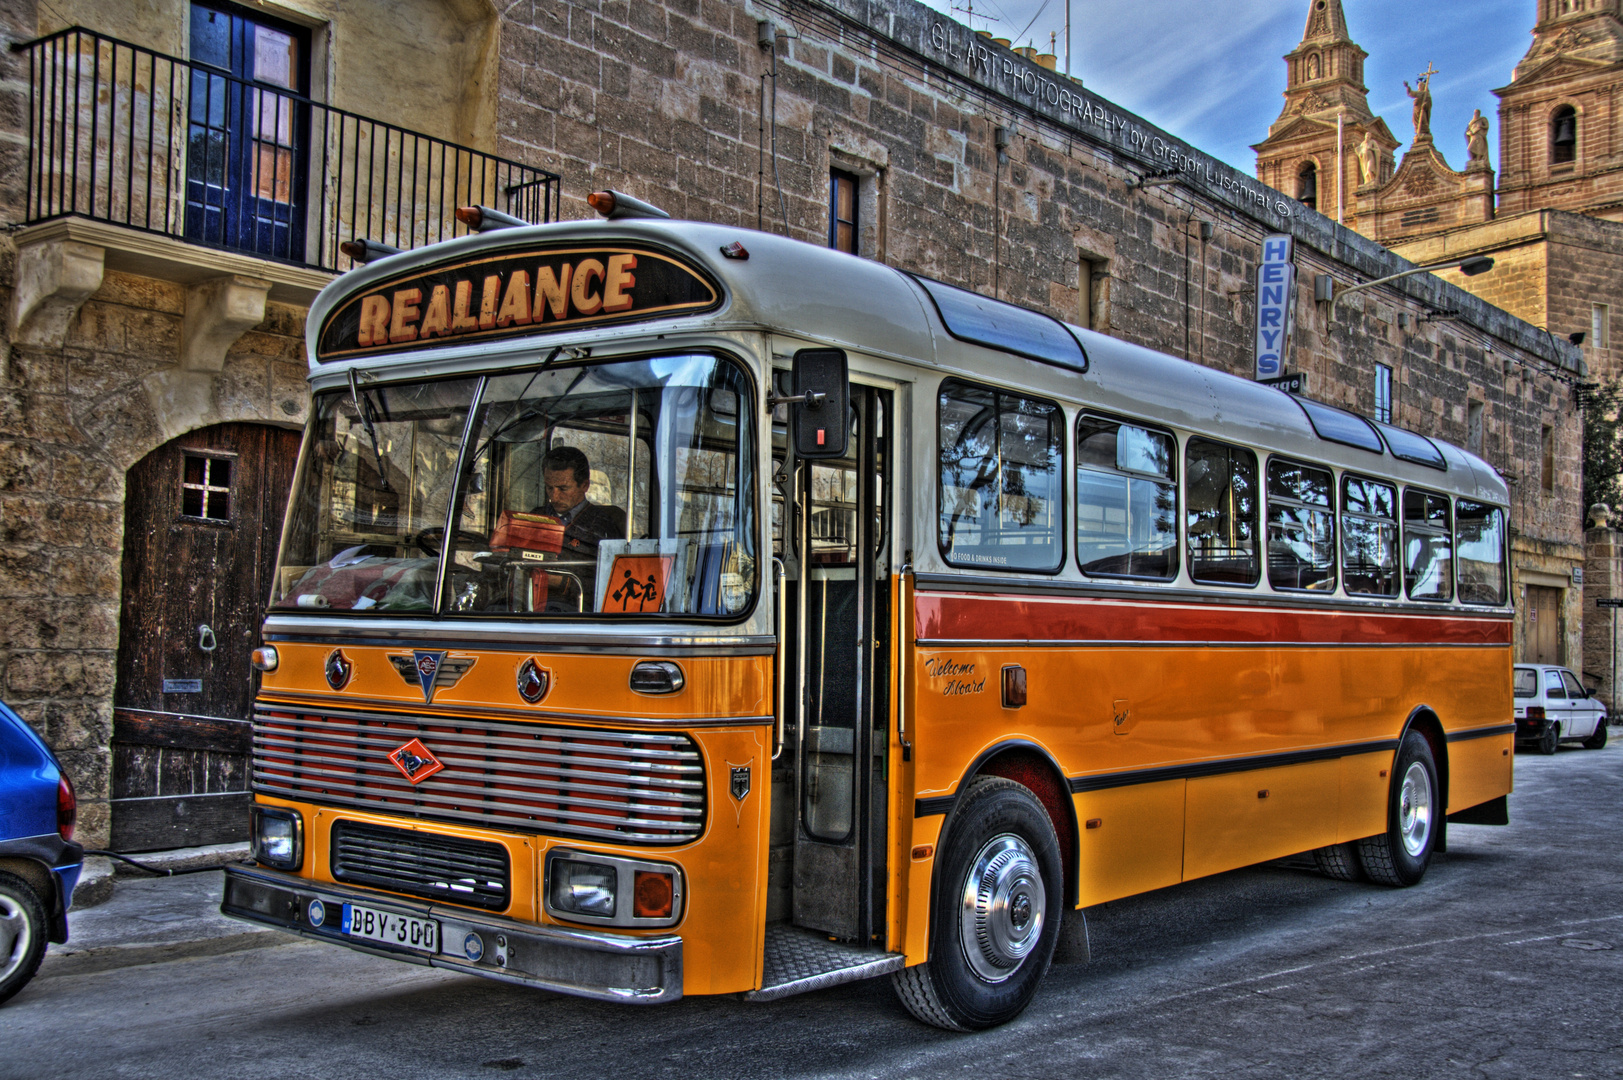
[202,517]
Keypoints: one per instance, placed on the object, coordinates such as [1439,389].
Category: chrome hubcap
[1001,918]
[16,937]
[1414,809]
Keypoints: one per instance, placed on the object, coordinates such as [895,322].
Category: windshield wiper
[364,409]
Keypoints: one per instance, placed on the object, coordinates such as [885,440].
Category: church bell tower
[1558,142]
[1304,156]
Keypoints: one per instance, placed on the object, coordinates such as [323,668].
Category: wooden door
[1543,640]
[202,518]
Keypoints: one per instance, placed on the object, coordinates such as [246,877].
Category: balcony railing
[121,134]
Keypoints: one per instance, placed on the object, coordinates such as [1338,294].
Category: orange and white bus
[667,608]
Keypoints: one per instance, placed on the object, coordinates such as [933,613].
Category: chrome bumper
[608,967]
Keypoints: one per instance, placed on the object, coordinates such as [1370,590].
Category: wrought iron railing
[122,134]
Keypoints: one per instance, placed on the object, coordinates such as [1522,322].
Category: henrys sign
[514,292]
[1276,305]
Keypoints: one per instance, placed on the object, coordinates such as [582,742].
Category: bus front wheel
[1400,855]
[996,915]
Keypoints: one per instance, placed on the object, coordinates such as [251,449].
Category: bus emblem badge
[533,681]
[415,761]
[741,782]
[339,669]
[430,669]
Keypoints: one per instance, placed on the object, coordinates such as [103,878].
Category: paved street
[1506,962]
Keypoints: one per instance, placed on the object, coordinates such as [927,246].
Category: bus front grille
[449,868]
[626,787]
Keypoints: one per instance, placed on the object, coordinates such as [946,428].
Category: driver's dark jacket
[592,523]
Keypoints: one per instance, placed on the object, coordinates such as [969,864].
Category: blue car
[39,862]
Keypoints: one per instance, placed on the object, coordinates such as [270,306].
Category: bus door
[839,619]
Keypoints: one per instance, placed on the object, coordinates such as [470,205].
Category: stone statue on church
[1476,140]
[1421,92]
[1369,161]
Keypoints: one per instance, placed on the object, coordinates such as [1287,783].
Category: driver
[568,478]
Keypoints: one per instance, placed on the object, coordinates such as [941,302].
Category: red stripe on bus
[976,617]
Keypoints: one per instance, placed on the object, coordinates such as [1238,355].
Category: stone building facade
[970,163]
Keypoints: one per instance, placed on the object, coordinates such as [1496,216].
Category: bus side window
[1480,541]
[1001,481]
[1126,500]
[1428,545]
[1369,536]
[1221,513]
[1301,527]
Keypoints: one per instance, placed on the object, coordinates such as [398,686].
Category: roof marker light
[484,219]
[615,205]
[735,250]
[363,251]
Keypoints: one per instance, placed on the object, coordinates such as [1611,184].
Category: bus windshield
[618,489]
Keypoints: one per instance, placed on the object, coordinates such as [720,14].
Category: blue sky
[1211,73]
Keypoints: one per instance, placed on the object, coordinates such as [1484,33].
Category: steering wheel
[432,539]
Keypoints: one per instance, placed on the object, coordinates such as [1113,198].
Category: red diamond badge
[415,761]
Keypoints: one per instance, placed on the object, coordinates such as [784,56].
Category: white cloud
[1211,71]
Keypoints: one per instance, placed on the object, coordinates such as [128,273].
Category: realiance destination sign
[533,291]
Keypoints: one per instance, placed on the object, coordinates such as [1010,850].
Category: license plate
[404,931]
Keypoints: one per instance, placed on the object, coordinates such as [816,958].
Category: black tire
[1414,818]
[1000,829]
[1597,741]
[1550,741]
[23,933]
[1339,861]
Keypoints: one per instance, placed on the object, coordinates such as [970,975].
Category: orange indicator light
[653,895]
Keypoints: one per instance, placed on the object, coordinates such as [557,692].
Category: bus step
[799,960]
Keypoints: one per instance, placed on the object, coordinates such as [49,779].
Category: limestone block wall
[73,419]
[1602,634]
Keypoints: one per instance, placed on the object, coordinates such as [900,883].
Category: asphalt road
[1507,961]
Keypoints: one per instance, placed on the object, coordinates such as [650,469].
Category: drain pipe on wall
[766,36]
[1001,137]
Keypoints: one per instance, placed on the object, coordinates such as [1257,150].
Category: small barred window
[205,488]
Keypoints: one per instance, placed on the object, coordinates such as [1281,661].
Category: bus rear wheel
[996,915]
[1401,854]
[1339,861]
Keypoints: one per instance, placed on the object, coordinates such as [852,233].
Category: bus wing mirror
[821,406]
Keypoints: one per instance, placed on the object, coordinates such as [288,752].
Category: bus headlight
[583,888]
[611,890]
[278,836]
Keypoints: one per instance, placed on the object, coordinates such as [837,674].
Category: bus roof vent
[1338,425]
[981,320]
[1411,447]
